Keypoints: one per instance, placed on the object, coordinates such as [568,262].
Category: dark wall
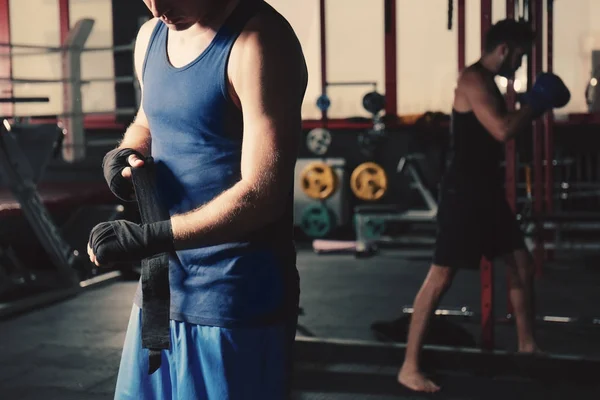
[126,22]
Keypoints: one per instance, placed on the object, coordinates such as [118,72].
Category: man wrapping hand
[222,89]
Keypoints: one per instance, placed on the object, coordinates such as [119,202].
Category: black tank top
[475,155]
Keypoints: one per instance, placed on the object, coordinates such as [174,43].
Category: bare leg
[435,285]
[520,272]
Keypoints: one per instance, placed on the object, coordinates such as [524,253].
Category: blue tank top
[197,145]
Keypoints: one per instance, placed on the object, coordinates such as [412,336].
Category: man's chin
[510,75]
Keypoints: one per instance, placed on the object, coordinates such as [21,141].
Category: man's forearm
[231,216]
[517,121]
[137,137]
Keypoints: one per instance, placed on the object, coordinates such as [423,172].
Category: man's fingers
[126,172]
[92,255]
[134,161]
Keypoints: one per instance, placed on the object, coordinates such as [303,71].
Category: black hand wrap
[151,242]
[119,241]
[156,293]
[113,164]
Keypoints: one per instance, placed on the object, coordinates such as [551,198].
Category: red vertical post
[64,19]
[536,19]
[323,28]
[391,70]
[487,270]
[462,58]
[510,153]
[6,90]
[63,27]
[549,120]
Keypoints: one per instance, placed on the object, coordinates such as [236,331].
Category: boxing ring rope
[71,117]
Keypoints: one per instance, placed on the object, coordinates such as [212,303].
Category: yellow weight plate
[369,181]
[318,180]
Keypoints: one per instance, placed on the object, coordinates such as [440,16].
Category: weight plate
[369,181]
[318,141]
[323,102]
[317,221]
[318,180]
[374,102]
[374,228]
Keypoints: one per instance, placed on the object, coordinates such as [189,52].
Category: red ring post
[536,19]
[510,153]
[461,36]
[6,89]
[549,120]
[64,26]
[391,69]
[486,267]
[322,24]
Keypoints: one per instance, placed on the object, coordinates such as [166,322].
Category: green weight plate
[374,228]
[317,221]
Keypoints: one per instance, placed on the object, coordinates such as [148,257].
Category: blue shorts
[207,362]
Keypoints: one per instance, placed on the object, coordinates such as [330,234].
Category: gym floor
[71,350]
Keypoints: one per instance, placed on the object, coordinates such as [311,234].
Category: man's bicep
[141,118]
[485,105]
[271,91]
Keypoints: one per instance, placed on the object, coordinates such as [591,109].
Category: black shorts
[472,225]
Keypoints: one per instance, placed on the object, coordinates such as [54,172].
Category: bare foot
[415,380]
[530,349]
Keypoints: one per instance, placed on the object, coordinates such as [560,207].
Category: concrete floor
[71,350]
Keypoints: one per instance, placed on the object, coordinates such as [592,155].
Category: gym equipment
[21,176]
[374,227]
[318,181]
[371,140]
[323,102]
[591,90]
[365,215]
[369,181]
[373,102]
[338,202]
[317,221]
[318,141]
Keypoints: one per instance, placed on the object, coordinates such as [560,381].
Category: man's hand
[117,171]
[121,241]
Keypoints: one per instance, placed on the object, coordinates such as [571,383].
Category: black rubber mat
[71,350]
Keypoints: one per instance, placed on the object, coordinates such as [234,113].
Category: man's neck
[213,18]
[491,65]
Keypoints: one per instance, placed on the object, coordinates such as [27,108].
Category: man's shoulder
[143,35]
[146,29]
[268,27]
[268,36]
[472,77]
[142,41]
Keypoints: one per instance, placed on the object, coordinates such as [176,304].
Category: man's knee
[440,277]
[519,263]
